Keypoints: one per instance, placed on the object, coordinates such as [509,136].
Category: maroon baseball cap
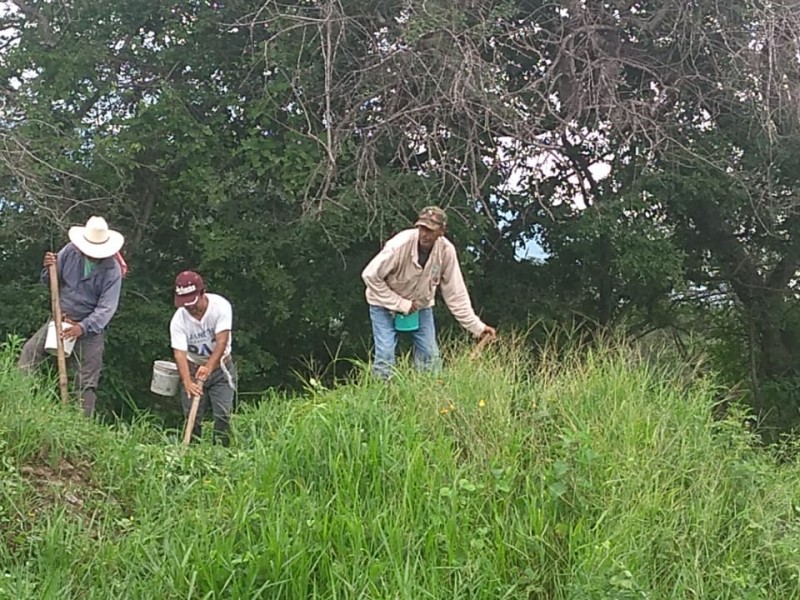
[189,287]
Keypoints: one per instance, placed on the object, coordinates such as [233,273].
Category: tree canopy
[650,148]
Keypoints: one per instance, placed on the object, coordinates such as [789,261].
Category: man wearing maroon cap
[403,279]
[200,333]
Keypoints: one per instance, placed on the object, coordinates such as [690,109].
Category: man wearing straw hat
[403,278]
[200,334]
[90,279]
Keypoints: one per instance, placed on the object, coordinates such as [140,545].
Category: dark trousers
[86,360]
[218,390]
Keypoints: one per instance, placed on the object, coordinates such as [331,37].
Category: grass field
[600,476]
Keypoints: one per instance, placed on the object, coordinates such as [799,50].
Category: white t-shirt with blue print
[198,338]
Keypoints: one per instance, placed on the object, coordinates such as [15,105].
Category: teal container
[409,322]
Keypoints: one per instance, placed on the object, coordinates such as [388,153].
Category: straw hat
[96,240]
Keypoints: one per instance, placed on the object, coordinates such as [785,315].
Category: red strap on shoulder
[122,264]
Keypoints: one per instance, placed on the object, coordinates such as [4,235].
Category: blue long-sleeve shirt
[88,299]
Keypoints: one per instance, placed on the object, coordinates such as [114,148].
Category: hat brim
[427,223]
[187,299]
[107,249]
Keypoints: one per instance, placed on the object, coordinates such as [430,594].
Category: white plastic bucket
[165,378]
[51,343]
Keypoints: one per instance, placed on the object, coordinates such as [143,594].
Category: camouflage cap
[432,217]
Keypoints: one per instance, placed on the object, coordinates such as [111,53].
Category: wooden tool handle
[55,302]
[476,351]
[187,433]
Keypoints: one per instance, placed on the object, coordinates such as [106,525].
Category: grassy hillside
[596,478]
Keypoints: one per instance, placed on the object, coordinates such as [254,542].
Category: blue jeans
[384,335]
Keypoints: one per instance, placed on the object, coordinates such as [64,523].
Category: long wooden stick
[55,301]
[187,433]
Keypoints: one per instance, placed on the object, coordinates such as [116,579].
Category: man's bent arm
[221,341]
[183,367]
[106,307]
[374,276]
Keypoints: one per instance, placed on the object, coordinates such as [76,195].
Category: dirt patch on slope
[68,483]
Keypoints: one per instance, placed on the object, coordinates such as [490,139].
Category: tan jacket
[394,278]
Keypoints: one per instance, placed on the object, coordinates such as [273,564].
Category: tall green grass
[594,476]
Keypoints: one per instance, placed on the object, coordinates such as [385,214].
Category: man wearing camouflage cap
[403,278]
